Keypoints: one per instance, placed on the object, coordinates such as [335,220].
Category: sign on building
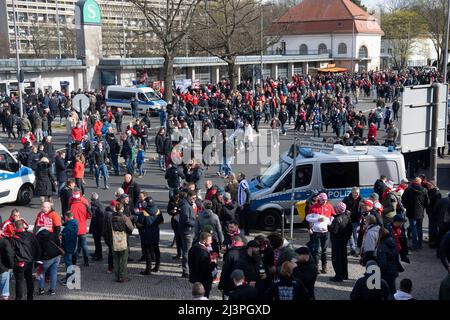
[416,110]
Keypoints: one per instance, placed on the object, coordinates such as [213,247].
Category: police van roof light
[307,152]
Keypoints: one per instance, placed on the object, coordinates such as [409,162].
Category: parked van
[16,180]
[120,96]
[333,172]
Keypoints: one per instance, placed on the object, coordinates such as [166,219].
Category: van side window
[303,178]
[340,175]
[5,161]
[120,95]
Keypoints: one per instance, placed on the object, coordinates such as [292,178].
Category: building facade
[422,53]
[340,28]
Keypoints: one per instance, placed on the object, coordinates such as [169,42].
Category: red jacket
[80,212]
[326,210]
[77,134]
[78,170]
[98,125]
[9,229]
[372,132]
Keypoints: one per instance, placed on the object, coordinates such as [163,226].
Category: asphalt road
[97,284]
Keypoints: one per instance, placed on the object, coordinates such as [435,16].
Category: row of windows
[342,49]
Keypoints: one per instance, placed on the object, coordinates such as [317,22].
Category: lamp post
[124,41]
[58,29]
[262,42]
[19,80]
[444,71]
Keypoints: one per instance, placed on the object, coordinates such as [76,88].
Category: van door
[8,175]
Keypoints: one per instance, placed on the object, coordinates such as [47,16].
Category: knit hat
[341,207]
[44,159]
[123,196]
[375,196]
[113,203]
[76,194]
[227,196]
[252,244]
[399,218]
[323,196]
[368,203]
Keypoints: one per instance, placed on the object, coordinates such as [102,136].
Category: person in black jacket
[388,259]
[361,292]
[340,232]
[159,143]
[100,160]
[186,229]
[26,251]
[306,271]
[173,176]
[352,202]
[96,226]
[380,186]
[228,211]
[286,287]
[415,200]
[444,251]
[61,169]
[65,194]
[202,263]
[173,209]
[241,290]
[230,262]
[126,152]
[6,263]
[45,180]
[50,257]
[442,213]
[132,188]
[118,117]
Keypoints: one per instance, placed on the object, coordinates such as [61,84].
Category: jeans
[416,232]
[319,239]
[68,261]
[120,264]
[61,185]
[82,246]
[52,266]
[101,169]
[162,118]
[22,274]
[354,238]
[115,163]
[316,132]
[378,124]
[186,244]
[283,128]
[172,192]
[225,168]
[4,285]
[129,165]
[140,169]
[162,161]
[38,134]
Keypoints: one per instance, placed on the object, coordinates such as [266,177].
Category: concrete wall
[4,36]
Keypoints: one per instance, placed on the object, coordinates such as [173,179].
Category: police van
[333,172]
[16,180]
[120,96]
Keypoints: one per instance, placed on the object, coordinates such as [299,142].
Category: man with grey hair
[96,227]
[242,291]
[352,203]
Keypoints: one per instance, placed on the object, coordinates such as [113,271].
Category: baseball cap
[302,251]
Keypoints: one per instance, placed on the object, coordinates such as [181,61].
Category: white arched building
[350,35]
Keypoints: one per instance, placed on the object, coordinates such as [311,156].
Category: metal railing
[41,63]
[297,52]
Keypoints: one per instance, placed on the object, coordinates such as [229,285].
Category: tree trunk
[232,74]
[168,76]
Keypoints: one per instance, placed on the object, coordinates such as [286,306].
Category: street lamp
[123,31]
[58,30]
[444,71]
[19,73]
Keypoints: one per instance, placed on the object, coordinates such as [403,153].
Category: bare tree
[433,12]
[234,29]
[68,41]
[170,25]
[40,37]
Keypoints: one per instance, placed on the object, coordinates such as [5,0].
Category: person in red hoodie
[98,125]
[81,211]
[78,171]
[8,225]
[372,131]
[78,132]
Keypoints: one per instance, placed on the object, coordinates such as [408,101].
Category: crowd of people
[210,222]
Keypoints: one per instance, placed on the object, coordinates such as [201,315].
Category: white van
[16,180]
[120,96]
[334,172]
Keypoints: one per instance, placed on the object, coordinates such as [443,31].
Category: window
[363,52]
[303,178]
[120,95]
[373,170]
[273,173]
[142,97]
[6,162]
[304,49]
[342,49]
[340,175]
[322,48]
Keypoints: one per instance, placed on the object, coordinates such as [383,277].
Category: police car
[16,180]
[333,172]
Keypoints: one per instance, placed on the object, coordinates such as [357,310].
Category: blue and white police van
[120,97]
[333,172]
[16,180]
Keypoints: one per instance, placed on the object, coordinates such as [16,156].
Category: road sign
[80,103]
[416,114]
[317,146]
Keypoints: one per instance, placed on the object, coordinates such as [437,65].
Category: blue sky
[371,3]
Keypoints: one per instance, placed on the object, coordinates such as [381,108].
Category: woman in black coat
[45,180]
[388,259]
